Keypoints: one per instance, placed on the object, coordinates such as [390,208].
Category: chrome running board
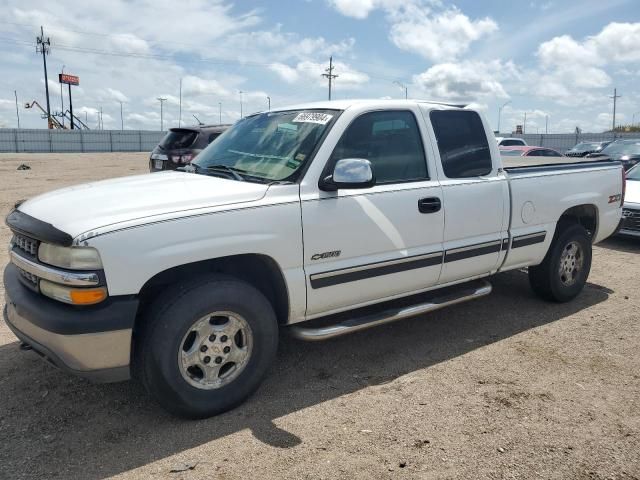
[436,300]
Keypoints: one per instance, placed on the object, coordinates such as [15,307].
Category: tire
[168,355]
[548,281]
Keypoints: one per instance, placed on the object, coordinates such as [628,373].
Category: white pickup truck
[320,219]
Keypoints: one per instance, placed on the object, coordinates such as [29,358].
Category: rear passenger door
[367,245]
[475,196]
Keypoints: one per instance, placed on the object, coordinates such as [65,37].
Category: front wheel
[564,271]
[206,347]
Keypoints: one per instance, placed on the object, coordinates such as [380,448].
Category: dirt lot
[504,387]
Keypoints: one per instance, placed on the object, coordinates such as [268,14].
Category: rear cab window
[462,142]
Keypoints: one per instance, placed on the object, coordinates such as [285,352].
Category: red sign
[68,79]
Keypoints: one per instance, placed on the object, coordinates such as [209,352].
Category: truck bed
[511,163]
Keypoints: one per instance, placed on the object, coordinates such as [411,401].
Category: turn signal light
[88,297]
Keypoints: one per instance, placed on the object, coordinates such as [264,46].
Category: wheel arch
[585,215]
[260,271]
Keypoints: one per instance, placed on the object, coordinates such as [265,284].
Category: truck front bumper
[91,342]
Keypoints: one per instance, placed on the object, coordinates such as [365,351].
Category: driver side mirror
[349,173]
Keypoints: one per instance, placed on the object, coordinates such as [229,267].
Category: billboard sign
[68,79]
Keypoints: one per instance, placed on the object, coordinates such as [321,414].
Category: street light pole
[269,103]
[162,100]
[403,87]
[241,92]
[62,98]
[524,125]
[500,112]
[121,117]
[220,112]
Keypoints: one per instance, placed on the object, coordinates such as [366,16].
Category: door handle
[429,205]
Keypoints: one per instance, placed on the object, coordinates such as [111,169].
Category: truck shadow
[622,244]
[55,425]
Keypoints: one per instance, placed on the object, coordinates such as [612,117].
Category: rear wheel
[206,347]
[565,269]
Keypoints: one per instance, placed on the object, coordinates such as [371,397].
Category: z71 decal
[322,256]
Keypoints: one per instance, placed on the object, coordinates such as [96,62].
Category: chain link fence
[13,140]
[563,142]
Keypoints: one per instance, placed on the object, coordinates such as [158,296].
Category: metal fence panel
[40,140]
[14,140]
[564,141]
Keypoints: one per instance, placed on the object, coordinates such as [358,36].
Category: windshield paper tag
[312,117]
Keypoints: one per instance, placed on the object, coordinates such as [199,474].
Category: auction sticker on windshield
[312,117]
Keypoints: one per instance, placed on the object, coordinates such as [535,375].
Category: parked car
[529,151]
[181,145]
[626,151]
[582,149]
[631,210]
[509,142]
[290,218]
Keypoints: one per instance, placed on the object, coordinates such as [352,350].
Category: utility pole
[43,46]
[500,112]
[546,124]
[330,75]
[162,100]
[101,121]
[269,103]
[62,99]
[121,117]
[220,112]
[241,92]
[403,87]
[524,125]
[180,114]
[615,98]
[15,92]
[86,118]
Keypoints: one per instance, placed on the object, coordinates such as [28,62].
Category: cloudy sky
[555,58]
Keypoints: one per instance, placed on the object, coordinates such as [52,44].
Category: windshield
[270,146]
[511,153]
[586,146]
[623,148]
[178,138]
[634,173]
[510,143]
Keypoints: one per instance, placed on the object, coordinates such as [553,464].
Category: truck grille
[631,219]
[26,244]
[576,154]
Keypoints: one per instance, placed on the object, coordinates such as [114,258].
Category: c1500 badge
[322,256]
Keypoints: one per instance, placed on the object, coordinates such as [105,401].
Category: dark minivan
[181,145]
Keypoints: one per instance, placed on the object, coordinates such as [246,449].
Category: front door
[364,245]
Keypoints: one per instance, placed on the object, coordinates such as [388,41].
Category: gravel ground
[507,386]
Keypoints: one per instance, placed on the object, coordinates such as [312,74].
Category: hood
[81,208]
[632,194]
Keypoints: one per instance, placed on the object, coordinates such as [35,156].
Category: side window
[212,137]
[551,153]
[462,143]
[535,153]
[390,140]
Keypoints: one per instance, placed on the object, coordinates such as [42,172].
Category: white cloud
[466,81]
[442,36]
[193,86]
[424,27]
[311,72]
[287,73]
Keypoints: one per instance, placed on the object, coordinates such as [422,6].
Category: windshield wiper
[234,172]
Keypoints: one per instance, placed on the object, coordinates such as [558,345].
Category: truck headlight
[72,258]
[73,296]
